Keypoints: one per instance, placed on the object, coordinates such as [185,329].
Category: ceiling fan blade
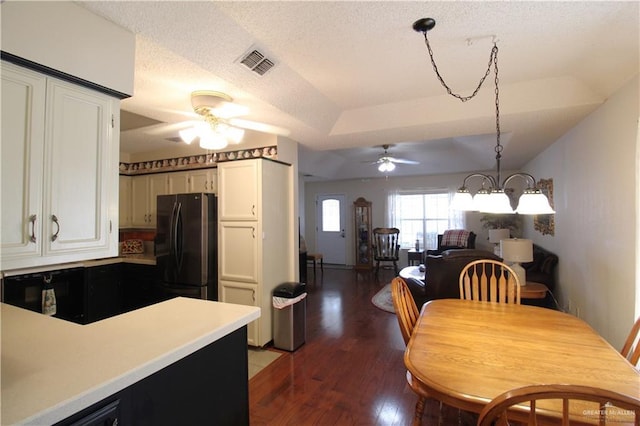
[402,161]
[166,128]
[260,127]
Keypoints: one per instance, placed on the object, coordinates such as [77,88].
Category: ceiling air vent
[256,62]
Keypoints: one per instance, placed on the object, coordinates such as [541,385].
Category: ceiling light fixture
[213,133]
[386,166]
[491,199]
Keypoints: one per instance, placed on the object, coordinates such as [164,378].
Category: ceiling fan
[387,163]
[219,125]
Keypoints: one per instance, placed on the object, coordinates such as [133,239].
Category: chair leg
[417,417]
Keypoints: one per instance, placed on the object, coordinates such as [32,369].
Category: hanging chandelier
[491,197]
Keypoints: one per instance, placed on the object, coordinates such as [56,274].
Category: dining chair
[489,280]
[386,247]
[631,348]
[407,314]
[612,407]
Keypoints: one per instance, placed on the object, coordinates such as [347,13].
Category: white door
[330,228]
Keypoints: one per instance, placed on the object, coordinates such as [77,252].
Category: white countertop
[52,368]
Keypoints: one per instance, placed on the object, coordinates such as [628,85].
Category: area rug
[259,359]
[382,299]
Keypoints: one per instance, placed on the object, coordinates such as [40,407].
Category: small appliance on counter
[186,245]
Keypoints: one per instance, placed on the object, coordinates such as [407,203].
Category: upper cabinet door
[238,190]
[205,180]
[80,164]
[21,155]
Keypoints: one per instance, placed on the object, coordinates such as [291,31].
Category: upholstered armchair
[454,239]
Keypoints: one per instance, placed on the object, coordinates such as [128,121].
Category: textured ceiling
[352,76]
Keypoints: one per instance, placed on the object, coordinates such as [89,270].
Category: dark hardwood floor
[350,370]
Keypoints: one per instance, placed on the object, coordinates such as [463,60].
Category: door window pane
[331,215]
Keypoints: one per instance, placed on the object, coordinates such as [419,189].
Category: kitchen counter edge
[39,352]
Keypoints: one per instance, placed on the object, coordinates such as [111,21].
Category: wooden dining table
[464,353]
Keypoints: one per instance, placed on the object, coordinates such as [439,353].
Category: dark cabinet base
[208,387]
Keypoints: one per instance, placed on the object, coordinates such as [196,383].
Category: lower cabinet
[208,387]
[104,296]
[243,294]
[140,286]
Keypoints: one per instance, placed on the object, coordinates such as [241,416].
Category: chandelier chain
[492,61]
[494,53]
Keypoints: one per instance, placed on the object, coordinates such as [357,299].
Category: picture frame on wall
[544,223]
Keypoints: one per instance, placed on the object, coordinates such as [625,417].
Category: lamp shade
[516,250]
[496,235]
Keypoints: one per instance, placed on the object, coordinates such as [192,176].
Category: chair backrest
[385,243]
[610,408]
[631,348]
[405,307]
[489,281]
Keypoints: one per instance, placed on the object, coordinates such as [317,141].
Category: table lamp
[495,236]
[516,251]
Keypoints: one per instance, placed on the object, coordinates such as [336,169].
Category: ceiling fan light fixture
[212,141]
[188,135]
[235,134]
[386,166]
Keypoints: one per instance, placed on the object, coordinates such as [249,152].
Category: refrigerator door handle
[179,240]
[172,232]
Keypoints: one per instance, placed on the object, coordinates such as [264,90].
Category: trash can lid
[289,290]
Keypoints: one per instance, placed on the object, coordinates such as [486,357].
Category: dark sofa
[442,273]
[471,244]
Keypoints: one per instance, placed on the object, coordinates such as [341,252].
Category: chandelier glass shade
[492,196]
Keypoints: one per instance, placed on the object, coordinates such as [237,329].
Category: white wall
[43,32]
[593,168]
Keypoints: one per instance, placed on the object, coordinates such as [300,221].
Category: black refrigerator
[186,245]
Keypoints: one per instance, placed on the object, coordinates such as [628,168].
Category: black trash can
[289,316]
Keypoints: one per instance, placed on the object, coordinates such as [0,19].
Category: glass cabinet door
[362,231]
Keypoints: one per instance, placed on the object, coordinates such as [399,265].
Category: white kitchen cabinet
[144,192]
[242,294]
[255,238]
[125,202]
[200,180]
[242,176]
[203,180]
[59,170]
[179,182]
[23,107]
[240,260]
